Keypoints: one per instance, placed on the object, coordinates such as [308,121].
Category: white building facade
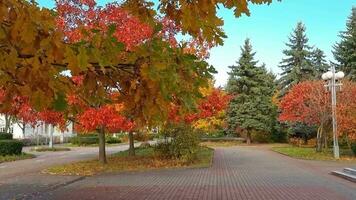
[41,132]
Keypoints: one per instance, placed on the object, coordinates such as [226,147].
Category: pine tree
[345,50]
[297,66]
[319,63]
[252,87]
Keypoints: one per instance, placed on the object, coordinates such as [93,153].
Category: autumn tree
[250,109]
[309,103]
[211,114]
[106,119]
[344,51]
[116,47]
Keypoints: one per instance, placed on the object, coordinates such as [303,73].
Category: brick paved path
[237,173]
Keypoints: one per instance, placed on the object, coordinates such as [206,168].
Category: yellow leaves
[72,60]
[82,58]
[2,34]
[28,33]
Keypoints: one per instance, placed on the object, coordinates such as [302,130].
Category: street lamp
[332,77]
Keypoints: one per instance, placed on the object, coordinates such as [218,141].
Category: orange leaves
[104,117]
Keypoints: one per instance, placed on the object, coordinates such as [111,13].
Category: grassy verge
[10,158]
[221,143]
[120,162]
[42,149]
[310,153]
[93,145]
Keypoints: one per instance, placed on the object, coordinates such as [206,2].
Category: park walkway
[237,173]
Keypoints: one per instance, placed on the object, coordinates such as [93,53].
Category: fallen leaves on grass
[9,158]
[120,162]
[42,149]
[221,143]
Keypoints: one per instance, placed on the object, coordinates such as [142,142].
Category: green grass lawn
[10,158]
[93,145]
[310,153]
[120,162]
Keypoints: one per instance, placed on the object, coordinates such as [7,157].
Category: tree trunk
[23,128]
[51,130]
[7,123]
[325,135]
[318,140]
[132,145]
[305,140]
[248,137]
[102,152]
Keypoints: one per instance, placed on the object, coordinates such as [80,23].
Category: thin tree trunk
[7,123]
[248,138]
[305,140]
[318,140]
[51,130]
[102,152]
[23,130]
[325,139]
[132,144]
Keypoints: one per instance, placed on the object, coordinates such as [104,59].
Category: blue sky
[269,26]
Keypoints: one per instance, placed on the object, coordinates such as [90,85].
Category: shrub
[112,140]
[141,137]
[353,148]
[145,145]
[5,136]
[82,141]
[260,137]
[183,143]
[10,147]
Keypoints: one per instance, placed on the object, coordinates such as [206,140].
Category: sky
[268,28]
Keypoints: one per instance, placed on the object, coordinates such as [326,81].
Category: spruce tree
[345,50]
[297,66]
[250,110]
[319,63]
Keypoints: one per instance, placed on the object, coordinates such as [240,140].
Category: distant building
[40,131]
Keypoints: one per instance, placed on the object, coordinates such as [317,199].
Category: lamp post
[331,77]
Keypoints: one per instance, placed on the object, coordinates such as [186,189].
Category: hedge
[113,140]
[353,148]
[82,141]
[5,136]
[10,147]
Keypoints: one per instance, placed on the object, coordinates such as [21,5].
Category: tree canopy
[252,87]
[345,50]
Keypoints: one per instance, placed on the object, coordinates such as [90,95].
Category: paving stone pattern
[237,173]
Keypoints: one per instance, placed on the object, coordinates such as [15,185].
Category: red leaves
[74,16]
[105,117]
[52,117]
[23,111]
[308,102]
[78,80]
[305,102]
[210,106]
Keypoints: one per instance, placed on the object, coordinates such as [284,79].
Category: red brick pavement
[237,173]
